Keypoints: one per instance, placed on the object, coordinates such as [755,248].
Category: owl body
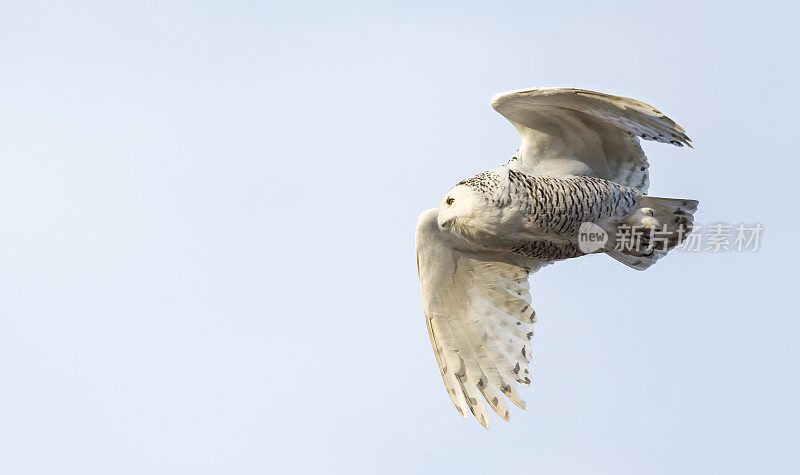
[535,216]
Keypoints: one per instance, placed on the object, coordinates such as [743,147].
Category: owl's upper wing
[576,132]
[478,310]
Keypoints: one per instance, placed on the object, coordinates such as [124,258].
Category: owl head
[459,209]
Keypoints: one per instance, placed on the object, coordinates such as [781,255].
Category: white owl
[580,169]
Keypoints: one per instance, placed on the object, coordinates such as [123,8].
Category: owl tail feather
[655,226]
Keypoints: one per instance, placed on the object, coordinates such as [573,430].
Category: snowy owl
[579,174]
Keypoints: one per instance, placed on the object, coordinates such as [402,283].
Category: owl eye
[449,201]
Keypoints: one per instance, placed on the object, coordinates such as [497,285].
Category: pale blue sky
[206,250]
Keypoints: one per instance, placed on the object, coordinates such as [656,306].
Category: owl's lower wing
[478,310]
[577,132]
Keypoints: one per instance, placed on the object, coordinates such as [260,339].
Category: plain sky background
[206,238]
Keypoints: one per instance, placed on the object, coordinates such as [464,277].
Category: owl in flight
[577,185]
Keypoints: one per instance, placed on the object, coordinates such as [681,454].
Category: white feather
[478,309]
[573,132]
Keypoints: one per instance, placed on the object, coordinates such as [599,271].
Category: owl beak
[447,224]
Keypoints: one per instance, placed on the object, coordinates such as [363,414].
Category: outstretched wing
[478,310]
[567,132]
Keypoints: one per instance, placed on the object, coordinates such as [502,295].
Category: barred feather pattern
[553,207]
[560,205]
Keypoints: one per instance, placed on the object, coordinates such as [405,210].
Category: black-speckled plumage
[550,207]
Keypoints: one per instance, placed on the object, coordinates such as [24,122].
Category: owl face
[458,208]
